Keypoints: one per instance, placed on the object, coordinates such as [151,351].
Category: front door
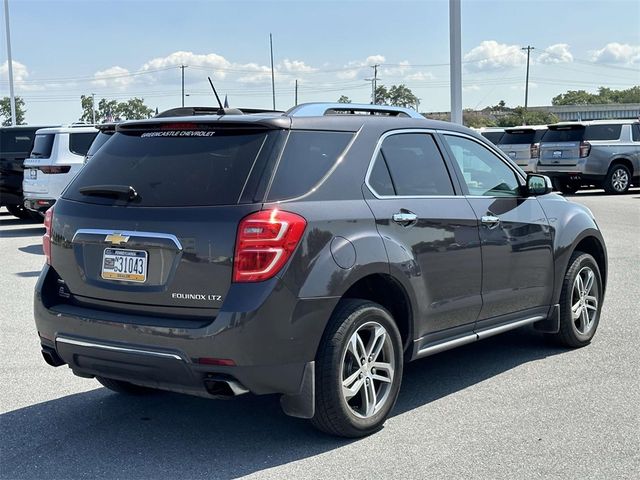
[517,255]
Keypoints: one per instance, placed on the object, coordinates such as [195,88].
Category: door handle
[405,218]
[490,221]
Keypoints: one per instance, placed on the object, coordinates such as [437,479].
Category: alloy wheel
[584,301]
[620,180]
[368,368]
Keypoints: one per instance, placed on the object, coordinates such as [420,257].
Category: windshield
[564,134]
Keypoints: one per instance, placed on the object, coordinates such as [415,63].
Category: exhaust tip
[51,357]
[224,387]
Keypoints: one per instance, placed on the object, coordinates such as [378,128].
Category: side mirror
[539,185]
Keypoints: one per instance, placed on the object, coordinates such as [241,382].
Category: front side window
[484,173]
[410,164]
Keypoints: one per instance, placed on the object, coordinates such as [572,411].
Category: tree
[397,95]
[111,110]
[474,119]
[531,117]
[344,99]
[604,95]
[5,111]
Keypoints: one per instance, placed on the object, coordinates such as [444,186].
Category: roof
[68,129]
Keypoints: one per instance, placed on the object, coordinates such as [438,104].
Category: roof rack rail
[192,111]
[322,109]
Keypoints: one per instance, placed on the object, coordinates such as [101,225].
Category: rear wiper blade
[121,191]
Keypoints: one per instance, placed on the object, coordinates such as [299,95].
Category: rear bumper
[39,205]
[271,346]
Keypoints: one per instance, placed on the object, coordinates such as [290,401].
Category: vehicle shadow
[22,232]
[35,249]
[35,273]
[18,221]
[99,434]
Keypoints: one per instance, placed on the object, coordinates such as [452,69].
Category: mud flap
[302,404]
[552,323]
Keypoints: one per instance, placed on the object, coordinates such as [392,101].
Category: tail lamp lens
[46,238]
[535,150]
[264,243]
[585,149]
[55,169]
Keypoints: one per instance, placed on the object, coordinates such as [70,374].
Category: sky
[120,49]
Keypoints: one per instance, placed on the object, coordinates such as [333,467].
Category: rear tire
[618,180]
[358,370]
[580,302]
[565,186]
[22,213]
[126,388]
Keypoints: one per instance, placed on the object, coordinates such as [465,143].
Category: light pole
[528,48]
[93,108]
[455,55]
[182,67]
[12,98]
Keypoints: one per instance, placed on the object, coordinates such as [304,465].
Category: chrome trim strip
[449,344]
[489,332]
[113,348]
[128,233]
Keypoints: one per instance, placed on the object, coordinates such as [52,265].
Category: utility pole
[375,82]
[296,98]
[12,98]
[273,77]
[455,55]
[182,67]
[93,108]
[528,48]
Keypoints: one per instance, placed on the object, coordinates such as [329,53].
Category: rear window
[98,142]
[564,134]
[169,171]
[16,141]
[493,137]
[42,146]
[603,132]
[525,136]
[636,132]
[79,143]
[308,156]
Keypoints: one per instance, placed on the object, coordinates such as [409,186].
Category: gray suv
[605,154]
[309,254]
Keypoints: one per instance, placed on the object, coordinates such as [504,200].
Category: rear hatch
[34,180]
[560,146]
[149,224]
[15,144]
[520,143]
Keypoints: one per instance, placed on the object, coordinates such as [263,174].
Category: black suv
[310,254]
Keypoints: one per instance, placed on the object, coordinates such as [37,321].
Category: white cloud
[491,55]
[296,66]
[521,88]
[470,88]
[113,76]
[211,61]
[420,76]
[356,68]
[617,53]
[20,71]
[558,53]
[375,59]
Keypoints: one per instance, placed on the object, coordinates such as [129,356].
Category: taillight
[535,150]
[264,243]
[585,149]
[46,238]
[55,169]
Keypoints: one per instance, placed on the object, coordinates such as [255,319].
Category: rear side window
[493,137]
[415,167]
[525,136]
[16,141]
[603,132]
[42,146]
[100,139]
[79,143]
[564,134]
[308,156]
[172,171]
[635,132]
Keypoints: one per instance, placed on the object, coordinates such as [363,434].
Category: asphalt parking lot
[509,407]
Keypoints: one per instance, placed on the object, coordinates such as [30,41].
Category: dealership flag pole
[10,64]
[455,55]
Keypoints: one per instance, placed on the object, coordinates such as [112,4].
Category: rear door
[168,247]
[430,233]
[517,256]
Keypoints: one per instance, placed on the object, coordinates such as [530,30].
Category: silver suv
[522,144]
[604,154]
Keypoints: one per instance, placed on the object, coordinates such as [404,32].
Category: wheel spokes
[352,385]
[588,284]
[576,310]
[383,372]
[370,398]
[376,343]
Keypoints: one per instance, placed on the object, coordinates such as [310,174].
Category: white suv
[57,156]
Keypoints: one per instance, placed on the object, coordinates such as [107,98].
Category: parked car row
[604,154]
[309,254]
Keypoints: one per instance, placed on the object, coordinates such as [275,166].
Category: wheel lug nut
[360,376]
[373,371]
[370,359]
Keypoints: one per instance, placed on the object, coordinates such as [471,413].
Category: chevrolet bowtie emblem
[116,238]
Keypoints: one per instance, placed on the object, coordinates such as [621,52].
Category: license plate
[126,265]
[33,174]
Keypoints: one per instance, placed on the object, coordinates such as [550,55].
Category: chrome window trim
[377,151]
[128,233]
[114,348]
